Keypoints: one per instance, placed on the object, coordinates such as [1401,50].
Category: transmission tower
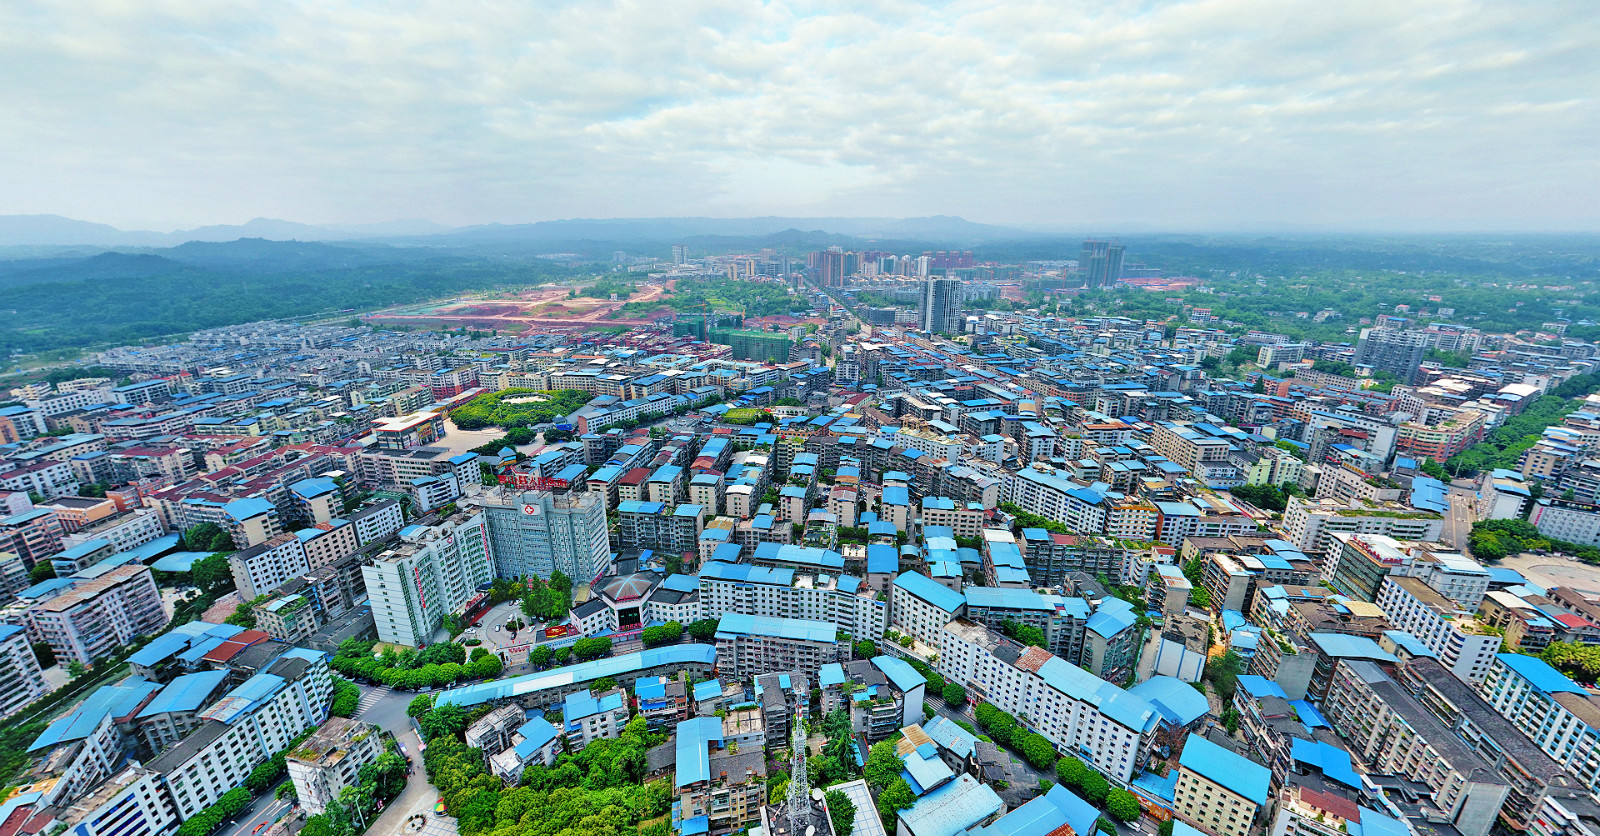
[799,783]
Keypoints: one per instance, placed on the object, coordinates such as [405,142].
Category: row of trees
[434,666]
[1005,731]
[1075,775]
[1580,661]
[1027,520]
[1268,497]
[669,633]
[1498,539]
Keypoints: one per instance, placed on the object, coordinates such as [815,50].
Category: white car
[470,631]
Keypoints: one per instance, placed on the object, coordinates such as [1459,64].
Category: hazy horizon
[1242,116]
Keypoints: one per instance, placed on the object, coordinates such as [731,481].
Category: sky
[1214,115]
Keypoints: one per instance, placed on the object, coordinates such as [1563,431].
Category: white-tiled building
[1463,643]
[265,567]
[1111,729]
[433,572]
[250,724]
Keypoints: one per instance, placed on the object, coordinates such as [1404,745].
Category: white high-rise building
[433,572]
[1464,644]
[1556,713]
[21,680]
[941,306]
[539,532]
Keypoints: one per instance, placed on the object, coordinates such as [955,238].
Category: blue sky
[1212,115]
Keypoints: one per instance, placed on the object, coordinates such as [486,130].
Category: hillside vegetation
[117,298]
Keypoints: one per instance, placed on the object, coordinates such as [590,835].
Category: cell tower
[799,784]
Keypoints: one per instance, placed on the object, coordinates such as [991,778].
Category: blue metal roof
[1009,598]
[675,655]
[1341,645]
[586,704]
[1179,703]
[925,770]
[830,674]
[1128,709]
[799,629]
[925,588]
[535,735]
[650,688]
[882,559]
[899,672]
[315,487]
[952,808]
[115,700]
[1046,814]
[1331,760]
[744,572]
[708,690]
[1410,643]
[693,749]
[1237,774]
[1260,686]
[186,693]
[1539,674]
[244,509]
[946,733]
[1109,620]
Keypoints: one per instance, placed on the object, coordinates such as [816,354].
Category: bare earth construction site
[545,308]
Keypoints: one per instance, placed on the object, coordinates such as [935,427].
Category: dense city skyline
[1191,116]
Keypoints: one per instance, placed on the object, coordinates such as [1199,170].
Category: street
[262,811]
[386,709]
[1458,523]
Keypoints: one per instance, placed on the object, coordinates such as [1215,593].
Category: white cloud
[1209,114]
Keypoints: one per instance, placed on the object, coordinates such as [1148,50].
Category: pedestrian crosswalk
[371,698]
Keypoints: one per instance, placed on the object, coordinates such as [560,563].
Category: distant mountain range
[57,231]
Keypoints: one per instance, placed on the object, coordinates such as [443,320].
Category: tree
[76,669]
[1037,750]
[1071,772]
[212,575]
[443,721]
[1165,829]
[1122,805]
[1095,788]
[1580,661]
[587,649]
[420,705]
[841,812]
[954,694]
[346,696]
[539,656]
[669,633]
[703,630]
[45,654]
[42,571]
[883,765]
[892,800]
[1223,673]
[207,537]
[1024,633]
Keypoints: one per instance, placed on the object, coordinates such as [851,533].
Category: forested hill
[118,297]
